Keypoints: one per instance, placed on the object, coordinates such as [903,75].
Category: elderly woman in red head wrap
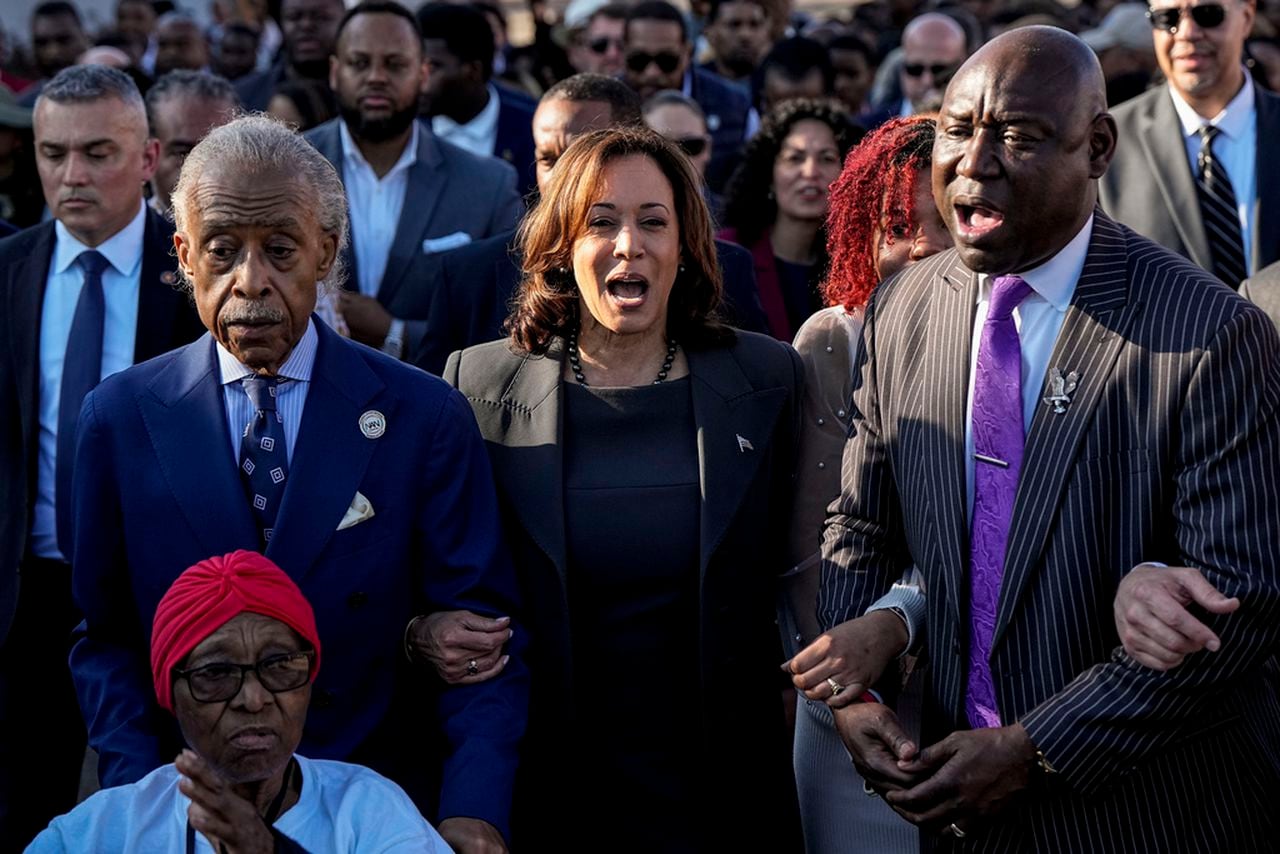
[234,649]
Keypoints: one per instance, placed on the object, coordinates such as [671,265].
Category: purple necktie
[997,446]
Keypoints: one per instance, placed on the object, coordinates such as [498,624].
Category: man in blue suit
[465,106]
[364,479]
[409,195]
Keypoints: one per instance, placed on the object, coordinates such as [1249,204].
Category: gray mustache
[251,312]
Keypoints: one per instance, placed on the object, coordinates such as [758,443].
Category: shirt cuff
[908,602]
[393,344]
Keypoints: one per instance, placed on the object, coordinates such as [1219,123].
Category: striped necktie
[1220,214]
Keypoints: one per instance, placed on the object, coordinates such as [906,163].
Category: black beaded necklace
[575,364]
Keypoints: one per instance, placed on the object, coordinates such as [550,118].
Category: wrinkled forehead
[245,636]
[1024,86]
[224,198]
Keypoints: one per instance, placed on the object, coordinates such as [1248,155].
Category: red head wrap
[210,594]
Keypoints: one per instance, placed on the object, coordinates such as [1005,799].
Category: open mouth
[627,291]
[976,221]
[811,193]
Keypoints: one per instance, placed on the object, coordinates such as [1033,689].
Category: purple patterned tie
[997,446]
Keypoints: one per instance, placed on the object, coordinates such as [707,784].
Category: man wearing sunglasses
[933,46]
[1191,170]
[595,36]
[658,55]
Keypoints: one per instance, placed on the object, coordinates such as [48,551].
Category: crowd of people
[698,428]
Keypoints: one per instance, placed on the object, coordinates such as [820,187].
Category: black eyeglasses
[666,60]
[692,145]
[601,45]
[937,69]
[219,682]
[1206,15]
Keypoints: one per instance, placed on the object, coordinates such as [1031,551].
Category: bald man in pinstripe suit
[1135,419]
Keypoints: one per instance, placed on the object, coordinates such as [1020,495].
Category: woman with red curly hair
[881,218]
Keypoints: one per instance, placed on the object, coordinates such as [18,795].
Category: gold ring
[836,687]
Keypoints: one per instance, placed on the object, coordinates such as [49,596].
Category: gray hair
[194,85]
[257,143]
[672,98]
[83,84]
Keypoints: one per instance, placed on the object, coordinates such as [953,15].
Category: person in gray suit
[1039,410]
[1155,182]
[1264,289]
[410,195]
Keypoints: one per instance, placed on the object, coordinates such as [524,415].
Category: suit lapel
[1089,342]
[530,460]
[332,454]
[425,186]
[187,425]
[1160,134]
[949,342]
[735,422]
[26,305]
[158,297]
[1266,217]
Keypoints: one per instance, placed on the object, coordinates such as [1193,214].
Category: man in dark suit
[1050,404]
[465,106]
[309,29]
[1194,169]
[82,296]
[364,479]
[410,195]
[474,284]
[659,56]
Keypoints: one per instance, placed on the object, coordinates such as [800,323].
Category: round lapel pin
[373,424]
[169,277]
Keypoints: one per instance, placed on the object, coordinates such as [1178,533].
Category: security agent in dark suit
[410,195]
[461,100]
[1211,197]
[474,284]
[309,29]
[659,56]
[82,296]
[1126,414]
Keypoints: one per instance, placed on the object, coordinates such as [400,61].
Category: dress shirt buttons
[357,600]
[822,465]
[840,412]
[821,421]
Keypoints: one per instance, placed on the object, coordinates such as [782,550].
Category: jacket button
[357,600]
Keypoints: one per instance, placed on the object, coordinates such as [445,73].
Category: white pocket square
[432,245]
[359,511]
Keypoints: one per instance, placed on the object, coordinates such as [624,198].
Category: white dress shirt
[480,135]
[1039,320]
[291,396]
[1236,148]
[120,287]
[375,205]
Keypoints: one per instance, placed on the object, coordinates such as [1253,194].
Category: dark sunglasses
[601,45]
[667,61]
[692,145]
[1206,16]
[915,69]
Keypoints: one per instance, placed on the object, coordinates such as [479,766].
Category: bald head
[1023,135]
[933,46]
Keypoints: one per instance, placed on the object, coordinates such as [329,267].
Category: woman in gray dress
[881,218]
[644,456]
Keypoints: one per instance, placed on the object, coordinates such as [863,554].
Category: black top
[799,290]
[631,523]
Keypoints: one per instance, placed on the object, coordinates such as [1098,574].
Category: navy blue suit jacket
[728,108]
[475,284]
[514,142]
[157,489]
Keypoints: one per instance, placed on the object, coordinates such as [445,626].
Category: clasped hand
[968,776]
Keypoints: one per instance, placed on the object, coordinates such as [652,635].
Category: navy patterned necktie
[81,371]
[263,462]
[1220,213]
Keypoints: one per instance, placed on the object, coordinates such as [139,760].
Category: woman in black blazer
[644,455]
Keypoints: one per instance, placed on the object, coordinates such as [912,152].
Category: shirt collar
[1233,119]
[483,128]
[351,152]
[297,367]
[1055,279]
[123,250]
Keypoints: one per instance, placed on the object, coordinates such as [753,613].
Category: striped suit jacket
[1169,451]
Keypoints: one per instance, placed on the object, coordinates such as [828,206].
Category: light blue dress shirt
[1236,148]
[291,396]
[375,204]
[120,287]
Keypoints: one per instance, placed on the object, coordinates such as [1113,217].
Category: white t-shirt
[343,807]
